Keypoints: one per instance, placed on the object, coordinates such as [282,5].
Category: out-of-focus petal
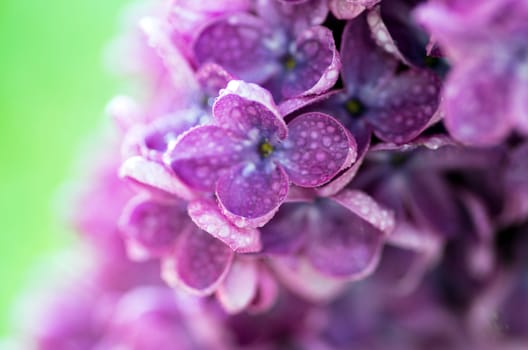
[200,263]
[239,287]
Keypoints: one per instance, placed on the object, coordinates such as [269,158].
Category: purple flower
[340,236]
[284,48]
[249,157]
[397,107]
[485,96]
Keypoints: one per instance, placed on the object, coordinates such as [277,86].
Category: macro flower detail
[397,107]
[485,95]
[348,9]
[249,157]
[285,48]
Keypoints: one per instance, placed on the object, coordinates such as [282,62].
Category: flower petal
[304,280]
[207,216]
[317,64]
[247,108]
[364,63]
[237,43]
[285,234]
[249,196]
[239,287]
[348,9]
[395,31]
[292,17]
[212,78]
[318,147]
[402,107]
[153,224]
[476,99]
[200,263]
[154,177]
[203,154]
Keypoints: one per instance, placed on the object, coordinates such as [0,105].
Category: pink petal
[200,263]
[153,224]
[318,147]
[366,207]
[250,196]
[245,108]
[207,216]
[212,78]
[154,177]
[204,154]
[239,287]
[348,9]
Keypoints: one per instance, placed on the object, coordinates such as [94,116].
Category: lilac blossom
[284,48]
[485,95]
[397,107]
[340,236]
[250,155]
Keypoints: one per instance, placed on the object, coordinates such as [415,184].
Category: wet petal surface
[318,147]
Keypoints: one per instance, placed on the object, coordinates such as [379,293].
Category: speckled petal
[250,196]
[207,216]
[292,16]
[364,63]
[475,104]
[348,9]
[237,43]
[212,78]
[345,177]
[200,263]
[395,31]
[239,287]
[318,147]
[403,106]
[366,208]
[317,64]
[153,224]
[154,177]
[203,154]
[249,110]
[344,244]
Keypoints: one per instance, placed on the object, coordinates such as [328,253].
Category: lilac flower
[396,107]
[249,157]
[341,237]
[285,48]
[485,94]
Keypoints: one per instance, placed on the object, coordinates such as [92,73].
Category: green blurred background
[53,89]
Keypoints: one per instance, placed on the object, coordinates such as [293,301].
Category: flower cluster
[310,174]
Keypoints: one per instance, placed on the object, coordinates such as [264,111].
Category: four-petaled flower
[250,155]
